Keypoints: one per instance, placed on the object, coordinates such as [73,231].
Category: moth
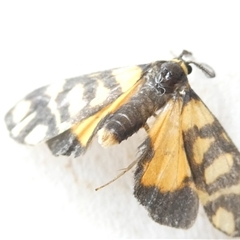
[186,157]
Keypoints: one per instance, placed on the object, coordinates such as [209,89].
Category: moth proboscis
[186,156]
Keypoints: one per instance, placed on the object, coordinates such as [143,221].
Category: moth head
[174,73]
[207,70]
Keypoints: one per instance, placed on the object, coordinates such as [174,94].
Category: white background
[44,197]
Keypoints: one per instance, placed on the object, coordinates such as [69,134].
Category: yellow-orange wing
[215,164]
[164,183]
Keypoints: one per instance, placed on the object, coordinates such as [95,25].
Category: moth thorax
[171,75]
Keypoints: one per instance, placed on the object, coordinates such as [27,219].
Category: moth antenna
[118,176]
[184,53]
[209,72]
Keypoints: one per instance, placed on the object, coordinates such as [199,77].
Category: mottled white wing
[51,110]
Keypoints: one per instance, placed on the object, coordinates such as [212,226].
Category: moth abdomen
[123,124]
[130,117]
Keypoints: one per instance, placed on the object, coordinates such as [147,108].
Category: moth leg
[119,175]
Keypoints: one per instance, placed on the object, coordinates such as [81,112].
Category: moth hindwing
[187,155]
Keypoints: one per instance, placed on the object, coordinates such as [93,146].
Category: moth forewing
[164,183]
[215,164]
[49,111]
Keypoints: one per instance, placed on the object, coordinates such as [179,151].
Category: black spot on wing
[217,148]
[65,144]
[220,145]
[176,209]
[146,153]
[190,94]
[230,203]
[43,117]
[35,98]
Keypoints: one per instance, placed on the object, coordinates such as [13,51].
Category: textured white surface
[44,197]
